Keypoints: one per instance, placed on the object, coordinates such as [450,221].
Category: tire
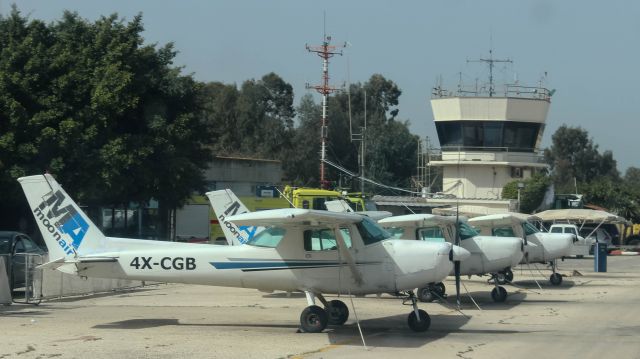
[419,326]
[508,275]
[313,319]
[440,288]
[499,294]
[555,279]
[501,278]
[424,295]
[337,312]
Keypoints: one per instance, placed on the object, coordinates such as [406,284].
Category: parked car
[13,247]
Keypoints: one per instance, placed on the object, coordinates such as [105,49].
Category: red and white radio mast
[325,51]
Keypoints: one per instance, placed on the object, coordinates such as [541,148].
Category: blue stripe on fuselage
[273,265]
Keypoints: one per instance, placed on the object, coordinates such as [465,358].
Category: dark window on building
[505,135]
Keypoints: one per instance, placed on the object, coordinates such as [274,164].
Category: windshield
[466,231]
[371,232]
[270,237]
[529,229]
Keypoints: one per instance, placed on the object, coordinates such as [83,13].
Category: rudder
[66,229]
[225,204]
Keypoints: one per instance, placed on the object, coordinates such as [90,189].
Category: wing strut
[344,252]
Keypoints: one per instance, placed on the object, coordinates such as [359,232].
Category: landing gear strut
[498,294]
[556,278]
[418,320]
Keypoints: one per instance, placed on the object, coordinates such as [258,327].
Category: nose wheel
[556,278]
[498,294]
[418,320]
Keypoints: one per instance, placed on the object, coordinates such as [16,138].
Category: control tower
[488,137]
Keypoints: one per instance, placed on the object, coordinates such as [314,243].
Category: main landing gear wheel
[313,319]
[419,326]
[337,312]
[425,295]
[440,288]
[556,279]
[431,292]
[499,294]
[508,275]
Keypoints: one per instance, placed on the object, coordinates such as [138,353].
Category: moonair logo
[62,220]
[249,230]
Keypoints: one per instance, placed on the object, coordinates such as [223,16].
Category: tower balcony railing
[486,154]
[507,90]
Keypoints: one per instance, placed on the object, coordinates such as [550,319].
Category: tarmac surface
[591,315]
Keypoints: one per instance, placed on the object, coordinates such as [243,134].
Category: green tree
[532,195]
[111,118]
[390,148]
[302,163]
[573,154]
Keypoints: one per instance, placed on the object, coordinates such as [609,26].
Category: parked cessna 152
[316,252]
[541,248]
[488,254]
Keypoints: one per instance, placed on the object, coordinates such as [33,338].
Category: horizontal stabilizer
[55,264]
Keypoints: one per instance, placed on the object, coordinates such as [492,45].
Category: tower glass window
[496,135]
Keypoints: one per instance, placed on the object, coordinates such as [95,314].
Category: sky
[589,50]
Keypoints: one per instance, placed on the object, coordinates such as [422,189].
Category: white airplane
[488,254]
[541,247]
[315,252]
[225,204]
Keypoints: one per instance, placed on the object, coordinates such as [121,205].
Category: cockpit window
[431,234]
[466,231]
[270,237]
[396,232]
[324,239]
[529,229]
[502,232]
[371,232]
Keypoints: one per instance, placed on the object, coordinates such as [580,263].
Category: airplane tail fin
[226,204]
[66,229]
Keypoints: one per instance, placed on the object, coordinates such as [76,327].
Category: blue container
[600,257]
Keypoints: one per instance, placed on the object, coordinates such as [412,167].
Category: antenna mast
[491,61]
[325,51]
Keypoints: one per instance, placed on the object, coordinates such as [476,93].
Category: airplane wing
[338,205]
[416,220]
[294,216]
[503,219]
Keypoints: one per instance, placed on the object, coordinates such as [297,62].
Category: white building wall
[488,108]
[485,182]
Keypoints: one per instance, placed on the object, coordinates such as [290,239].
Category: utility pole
[491,61]
[325,51]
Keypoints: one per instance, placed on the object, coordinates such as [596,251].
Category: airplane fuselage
[282,268]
